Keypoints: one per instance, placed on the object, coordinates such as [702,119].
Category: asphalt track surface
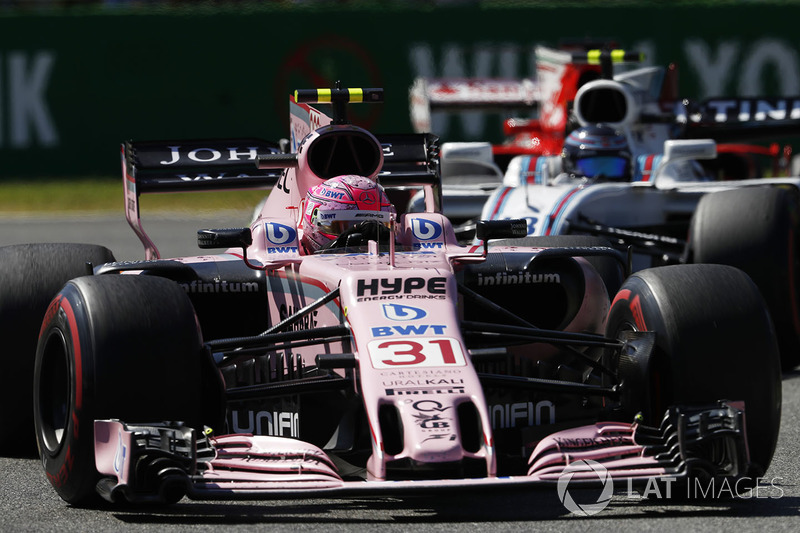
[27,502]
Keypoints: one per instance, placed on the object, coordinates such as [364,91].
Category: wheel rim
[55,392]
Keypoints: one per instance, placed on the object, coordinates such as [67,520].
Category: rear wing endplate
[192,165]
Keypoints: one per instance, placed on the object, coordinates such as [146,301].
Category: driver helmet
[597,152]
[337,205]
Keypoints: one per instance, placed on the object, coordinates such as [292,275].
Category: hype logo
[403,313]
[280,233]
[425,230]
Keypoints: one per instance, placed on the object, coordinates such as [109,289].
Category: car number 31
[420,351]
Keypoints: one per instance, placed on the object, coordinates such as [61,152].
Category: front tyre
[115,346]
[714,340]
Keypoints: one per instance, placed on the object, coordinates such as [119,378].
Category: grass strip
[105,195]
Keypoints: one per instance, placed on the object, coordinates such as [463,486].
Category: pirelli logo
[422,391]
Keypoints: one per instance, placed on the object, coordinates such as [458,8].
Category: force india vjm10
[396,360]
[694,193]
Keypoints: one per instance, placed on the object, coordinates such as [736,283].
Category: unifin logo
[425,230]
[403,312]
[280,233]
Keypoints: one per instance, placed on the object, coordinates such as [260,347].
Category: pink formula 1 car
[393,359]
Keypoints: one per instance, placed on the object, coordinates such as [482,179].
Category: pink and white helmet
[340,203]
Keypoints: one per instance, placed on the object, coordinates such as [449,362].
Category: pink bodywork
[403,313]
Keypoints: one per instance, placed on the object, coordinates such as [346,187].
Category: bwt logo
[280,233]
[403,312]
[425,230]
[411,329]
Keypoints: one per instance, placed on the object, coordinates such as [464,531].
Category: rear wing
[559,74]
[738,119]
[191,165]
[459,94]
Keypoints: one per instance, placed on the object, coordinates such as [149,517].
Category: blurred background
[78,77]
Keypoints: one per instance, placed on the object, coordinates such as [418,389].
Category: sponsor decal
[415,373]
[217,286]
[432,421]
[278,234]
[120,455]
[425,230]
[752,109]
[519,414]
[439,436]
[403,313]
[370,215]
[307,321]
[518,278]
[593,442]
[366,197]
[272,423]
[327,193]
[206,177]
[282,249]
[427,245]
[420,329]
[424,383]
[392,286]
[427,406]
[423,391]
[206,155]
[403,297]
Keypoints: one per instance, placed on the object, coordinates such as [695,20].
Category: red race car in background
[577,86]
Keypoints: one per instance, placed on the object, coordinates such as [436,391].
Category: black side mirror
[224,238]
[501,229]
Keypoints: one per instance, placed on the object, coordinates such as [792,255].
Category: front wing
[164,462]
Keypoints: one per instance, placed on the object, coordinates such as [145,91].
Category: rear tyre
[32,275]
[756,229]
[115,346]
[714,340]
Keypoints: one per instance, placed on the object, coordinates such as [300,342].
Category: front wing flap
[162,462]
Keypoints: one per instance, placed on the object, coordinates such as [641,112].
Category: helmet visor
[609,167]
[336,222]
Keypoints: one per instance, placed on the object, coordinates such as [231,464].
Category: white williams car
[691,192]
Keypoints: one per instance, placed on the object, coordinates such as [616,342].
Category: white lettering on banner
[773,53]
[29,121]
[713,71]
[726,68]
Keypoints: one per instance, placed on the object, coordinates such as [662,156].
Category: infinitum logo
[589,470]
